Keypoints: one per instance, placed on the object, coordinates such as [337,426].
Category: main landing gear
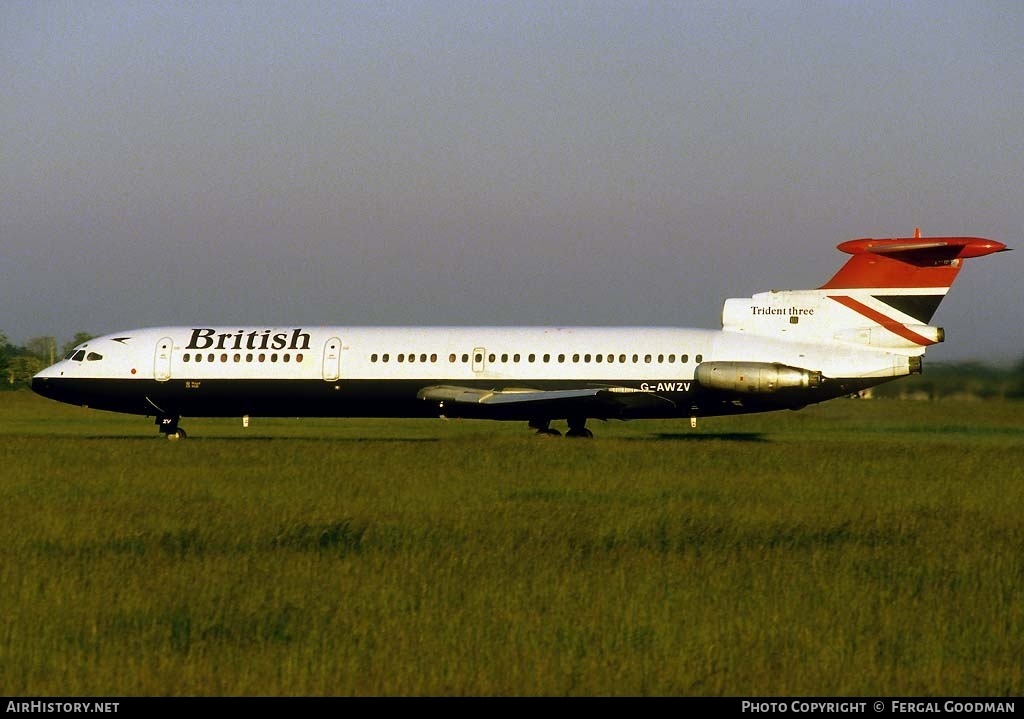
[168,426]
[577,428]
[543,427]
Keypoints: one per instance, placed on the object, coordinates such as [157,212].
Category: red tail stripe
[870,270]
[886,322]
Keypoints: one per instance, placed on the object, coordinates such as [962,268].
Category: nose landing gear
[168,426]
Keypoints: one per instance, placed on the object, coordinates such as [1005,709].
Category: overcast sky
[555,163]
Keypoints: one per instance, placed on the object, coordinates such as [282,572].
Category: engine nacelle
[754,377]
[893,336]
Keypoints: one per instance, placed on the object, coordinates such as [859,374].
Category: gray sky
[513,162]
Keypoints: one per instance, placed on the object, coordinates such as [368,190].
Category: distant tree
[6,351]
[80,337]
[44,348]
[959,380]
[1016,380]
[21,368]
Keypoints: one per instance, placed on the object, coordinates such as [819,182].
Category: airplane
[780,349]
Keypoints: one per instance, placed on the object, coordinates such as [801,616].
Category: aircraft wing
[598,401]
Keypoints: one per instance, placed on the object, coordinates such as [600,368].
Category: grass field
[854,548]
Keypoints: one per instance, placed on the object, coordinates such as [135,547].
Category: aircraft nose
[43,381]
[41,385]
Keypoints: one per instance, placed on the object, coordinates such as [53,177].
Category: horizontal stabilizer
[907,262]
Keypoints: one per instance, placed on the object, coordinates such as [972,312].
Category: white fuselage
[528,372]
[777,349]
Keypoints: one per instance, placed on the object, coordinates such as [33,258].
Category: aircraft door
[332,360]
[479,359]
[162,359]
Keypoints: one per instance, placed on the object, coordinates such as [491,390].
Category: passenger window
[262,357]
[547,358]
[184,357]
[286,358]
[515,357]
[647,358]
[684,358]
[465,357]
[237,357]
[433,358]
[385,357]
[451,357]
[211,358]
[598,358]
[490,358]
[273,357]
[699,358]
[671,358]
[298,357]
[561,358]
[622,359]
[248,357]
[199,357]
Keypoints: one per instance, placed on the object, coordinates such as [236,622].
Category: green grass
[854,548]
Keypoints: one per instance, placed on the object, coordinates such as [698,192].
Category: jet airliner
[781,349]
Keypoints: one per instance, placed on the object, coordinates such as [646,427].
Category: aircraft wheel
[578,428]
[179,433]
[543,427]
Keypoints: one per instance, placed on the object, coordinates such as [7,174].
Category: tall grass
[852,548]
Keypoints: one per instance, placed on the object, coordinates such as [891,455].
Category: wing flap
[475,395]
[593,401]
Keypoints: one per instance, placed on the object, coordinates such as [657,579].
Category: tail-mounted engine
[754,377]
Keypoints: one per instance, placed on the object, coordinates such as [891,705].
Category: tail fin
[911,274]
[883,297]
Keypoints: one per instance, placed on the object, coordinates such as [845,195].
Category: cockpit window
[68,355]
[79,356]
[92,357]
